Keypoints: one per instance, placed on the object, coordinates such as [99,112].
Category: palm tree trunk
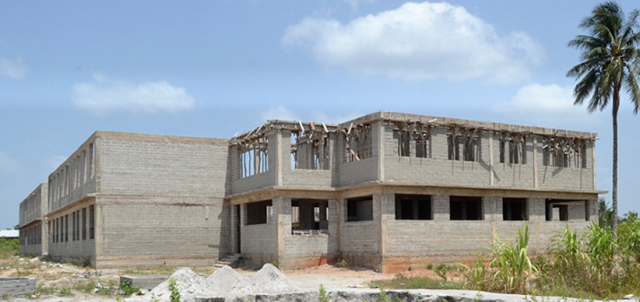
[614,190]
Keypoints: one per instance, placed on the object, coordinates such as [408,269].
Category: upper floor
[407,149]
[140,164]
[34,206]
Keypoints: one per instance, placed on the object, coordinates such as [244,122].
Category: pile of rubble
[268,284]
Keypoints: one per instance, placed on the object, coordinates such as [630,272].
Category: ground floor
[390,228]
[108,231]
[383,227]
[33,239]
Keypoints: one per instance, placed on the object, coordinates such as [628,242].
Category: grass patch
[400,281]
[155,270]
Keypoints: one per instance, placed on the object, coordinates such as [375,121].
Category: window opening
[513,148]
[558,209]
[84,223]
[254,156]
[92,221]
[514,209]
[309,216]
[258,212]
[360,209]
[358,142]
[310,148]
[564,152]
[464,143]
[406,133]
[465,208]
[413,207]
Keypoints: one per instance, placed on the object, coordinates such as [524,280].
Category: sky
[217,68]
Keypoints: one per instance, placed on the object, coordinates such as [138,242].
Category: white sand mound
[224,280]
[190,284]
[268,280]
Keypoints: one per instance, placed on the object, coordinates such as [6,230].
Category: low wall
[11,287]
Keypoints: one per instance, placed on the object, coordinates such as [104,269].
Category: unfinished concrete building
[33,225]
[384,191]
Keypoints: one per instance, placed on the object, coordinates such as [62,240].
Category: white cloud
[9,166]
[14,69]
[419,41]
[104,95]
[282,113]
[551,105]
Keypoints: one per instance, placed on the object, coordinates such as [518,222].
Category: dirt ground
[67,282]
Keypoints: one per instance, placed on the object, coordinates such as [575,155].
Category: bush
[9,247]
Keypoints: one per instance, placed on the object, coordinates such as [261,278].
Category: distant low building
[9,234]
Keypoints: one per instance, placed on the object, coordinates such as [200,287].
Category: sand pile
[268,280]
[224,280]
[190,284]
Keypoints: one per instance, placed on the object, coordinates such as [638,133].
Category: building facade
[384,191]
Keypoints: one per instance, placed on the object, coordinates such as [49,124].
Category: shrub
[175,292]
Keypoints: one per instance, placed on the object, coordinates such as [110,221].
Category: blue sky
[215,68]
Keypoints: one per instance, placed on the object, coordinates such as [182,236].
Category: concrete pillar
[441,208]
[378,146]
[45,236]
[333,232]
[282,212]
[536,215]
[386,208]
[323,215]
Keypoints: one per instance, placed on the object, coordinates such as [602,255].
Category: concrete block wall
[364,170]
[420,242]
[151,165]
[486,171]
[259,243]
[513,175]
[14,287]
[359,241]
[173,231]
[81,250]
[437,170]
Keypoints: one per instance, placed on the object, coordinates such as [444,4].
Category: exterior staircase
[232,260]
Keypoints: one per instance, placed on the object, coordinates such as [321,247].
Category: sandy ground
[57,276]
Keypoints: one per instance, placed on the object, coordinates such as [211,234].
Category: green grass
[9,248]
[402,282]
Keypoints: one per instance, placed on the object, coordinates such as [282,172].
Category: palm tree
[610,61]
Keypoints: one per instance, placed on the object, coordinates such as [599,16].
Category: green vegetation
[128,289]
[323,296]
[9,248]
[592,265]
[175,291]
[342,263]
[610,59]
[401,281]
